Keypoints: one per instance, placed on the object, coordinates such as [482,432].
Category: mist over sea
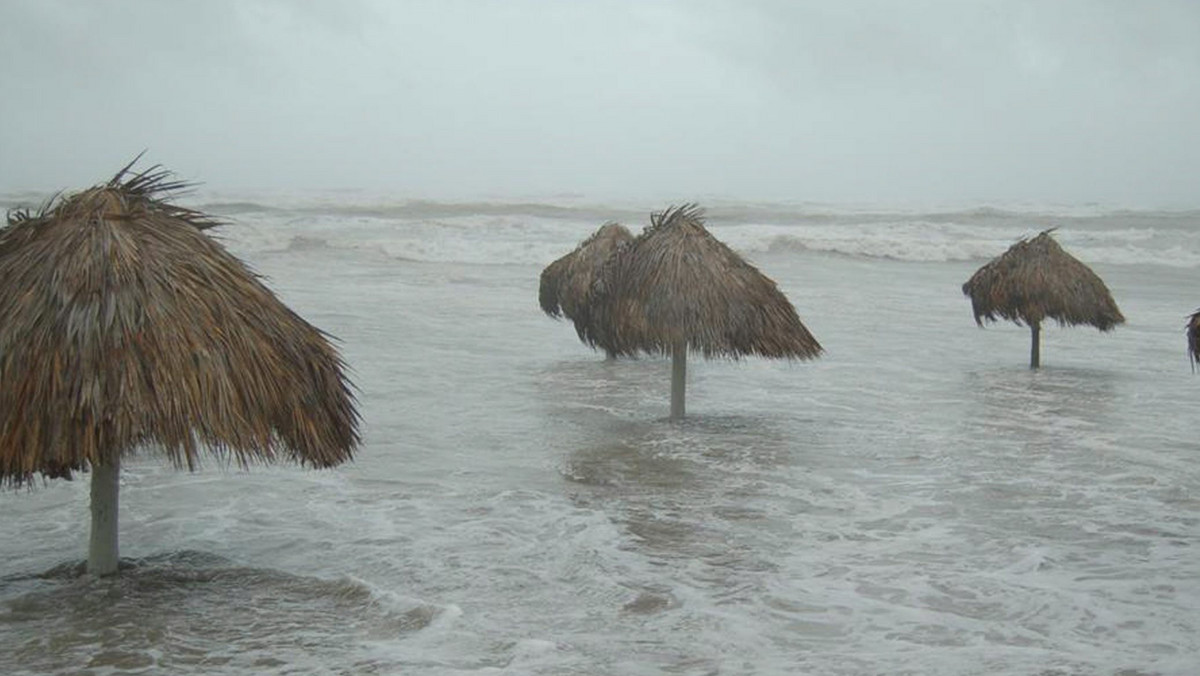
[916,501]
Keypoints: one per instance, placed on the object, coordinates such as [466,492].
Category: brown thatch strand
[676,282]
[550,286]
[566,282]
[1193,338]
[126,326]
[1036,280]
[149,188]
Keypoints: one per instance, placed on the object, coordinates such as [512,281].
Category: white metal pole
[678,379]
[103,555]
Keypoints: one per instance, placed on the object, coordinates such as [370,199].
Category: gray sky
[839,101]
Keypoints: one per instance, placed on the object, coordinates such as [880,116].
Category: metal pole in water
[103,554]
[1035,352]
[678,378]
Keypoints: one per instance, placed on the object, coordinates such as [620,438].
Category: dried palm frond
[565,284]
[126,326]
[677,284]
[1036,280]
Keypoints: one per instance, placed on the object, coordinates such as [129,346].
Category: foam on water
[914,502]
[537,232]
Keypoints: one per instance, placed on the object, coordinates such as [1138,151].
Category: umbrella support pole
[1035,350]
[102,548]
[678,379]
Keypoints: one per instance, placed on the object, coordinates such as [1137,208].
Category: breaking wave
[535,232]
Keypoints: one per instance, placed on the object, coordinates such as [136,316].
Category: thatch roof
[566,283]
[676,282]
[1036,280]
[125,326]
[1193,338]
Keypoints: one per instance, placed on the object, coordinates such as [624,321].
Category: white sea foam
[538,231]
[504,233]
[916,501]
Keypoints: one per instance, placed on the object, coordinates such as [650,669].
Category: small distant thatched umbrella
[676,287]
[1036,280]
[125,326]
[1193,338]
[566,283]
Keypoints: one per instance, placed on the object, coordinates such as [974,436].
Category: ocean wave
[540,245]
[236,208]
[889,249]
[385,208]
[1115,248]
[486,239]
[638,212]
[536,232]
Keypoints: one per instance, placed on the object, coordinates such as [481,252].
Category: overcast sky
[837,101]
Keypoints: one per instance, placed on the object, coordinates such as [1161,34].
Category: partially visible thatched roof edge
[153,189]
[1192,329]
[565,287]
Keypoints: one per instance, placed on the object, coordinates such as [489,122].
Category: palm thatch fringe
[565,285]
[126,326]
[676,284]
[551,283]
[154,185]
[1036,280]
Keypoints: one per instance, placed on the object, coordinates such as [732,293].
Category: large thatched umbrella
[676,287]
[566,283]
[1036,280]
[125,326]
[1193,338]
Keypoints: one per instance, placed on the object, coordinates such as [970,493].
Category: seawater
[916,501]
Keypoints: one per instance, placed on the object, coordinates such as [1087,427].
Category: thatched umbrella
[676,287]
[566,283]
[1035,280]
[1193,337]
[125,326]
